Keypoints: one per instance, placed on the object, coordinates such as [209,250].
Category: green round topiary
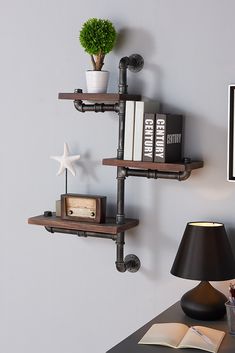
[97,37]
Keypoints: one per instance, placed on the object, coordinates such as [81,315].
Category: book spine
[129,130]
[160,138]
[138,132]
[168,138]
[141,107]
[148,137]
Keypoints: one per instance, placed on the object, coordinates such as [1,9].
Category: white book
[141,107]
[129,130]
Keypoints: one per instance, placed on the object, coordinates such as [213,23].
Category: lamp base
[204,302]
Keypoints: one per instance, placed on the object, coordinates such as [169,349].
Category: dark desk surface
[173,314]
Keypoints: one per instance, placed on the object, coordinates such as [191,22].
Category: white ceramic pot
[97,81]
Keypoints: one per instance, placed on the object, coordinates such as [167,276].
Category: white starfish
[66,161]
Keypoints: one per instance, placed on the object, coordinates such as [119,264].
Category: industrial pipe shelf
[164,167]
[99,97]
[175,171]
[109,227]
[115,228]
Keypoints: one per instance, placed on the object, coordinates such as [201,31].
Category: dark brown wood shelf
[164,167]
[100,97]
[109,227]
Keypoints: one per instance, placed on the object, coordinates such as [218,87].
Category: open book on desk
[177,335]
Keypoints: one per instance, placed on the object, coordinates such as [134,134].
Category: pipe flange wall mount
[136,63]
[132,263]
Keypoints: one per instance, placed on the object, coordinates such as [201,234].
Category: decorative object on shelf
[97,37]
[162,138]
[149,123]
[204,254]
[151,136]
[142,107]
[83,208]
[231,133]
[97,81]
[66,163]
[168,138]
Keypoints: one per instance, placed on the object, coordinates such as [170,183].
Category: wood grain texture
[109,227]
[164,167]
[100,97]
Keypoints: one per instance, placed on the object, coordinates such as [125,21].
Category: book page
[194,340]
[166,334]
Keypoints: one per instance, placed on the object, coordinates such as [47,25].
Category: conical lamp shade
[204,254]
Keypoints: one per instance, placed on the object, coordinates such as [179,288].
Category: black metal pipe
[134,63]
[184,175]
[120,217]
[120,264]
[81,233]
[122,88]
[96,107]
[131,262]
[155,174]
[123,65]
[121,129]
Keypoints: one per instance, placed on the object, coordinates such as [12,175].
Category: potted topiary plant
[97,37]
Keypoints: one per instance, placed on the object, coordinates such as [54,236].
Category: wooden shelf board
[103,97]
[109,227]
[164,167]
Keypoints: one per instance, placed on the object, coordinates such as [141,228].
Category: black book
[168,138]
[148,137]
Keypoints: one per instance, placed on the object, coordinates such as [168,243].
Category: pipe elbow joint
[124,62]
[184,175]
[79,105]
[120,266]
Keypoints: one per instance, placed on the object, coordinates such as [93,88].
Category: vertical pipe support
[131,262]
[120,264]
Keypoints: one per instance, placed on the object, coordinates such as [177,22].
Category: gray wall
[60,293]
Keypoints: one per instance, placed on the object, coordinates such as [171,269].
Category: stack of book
[151,136]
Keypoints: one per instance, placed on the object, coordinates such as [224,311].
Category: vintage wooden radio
[83,208]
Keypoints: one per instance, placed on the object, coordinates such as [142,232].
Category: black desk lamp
[204,254]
